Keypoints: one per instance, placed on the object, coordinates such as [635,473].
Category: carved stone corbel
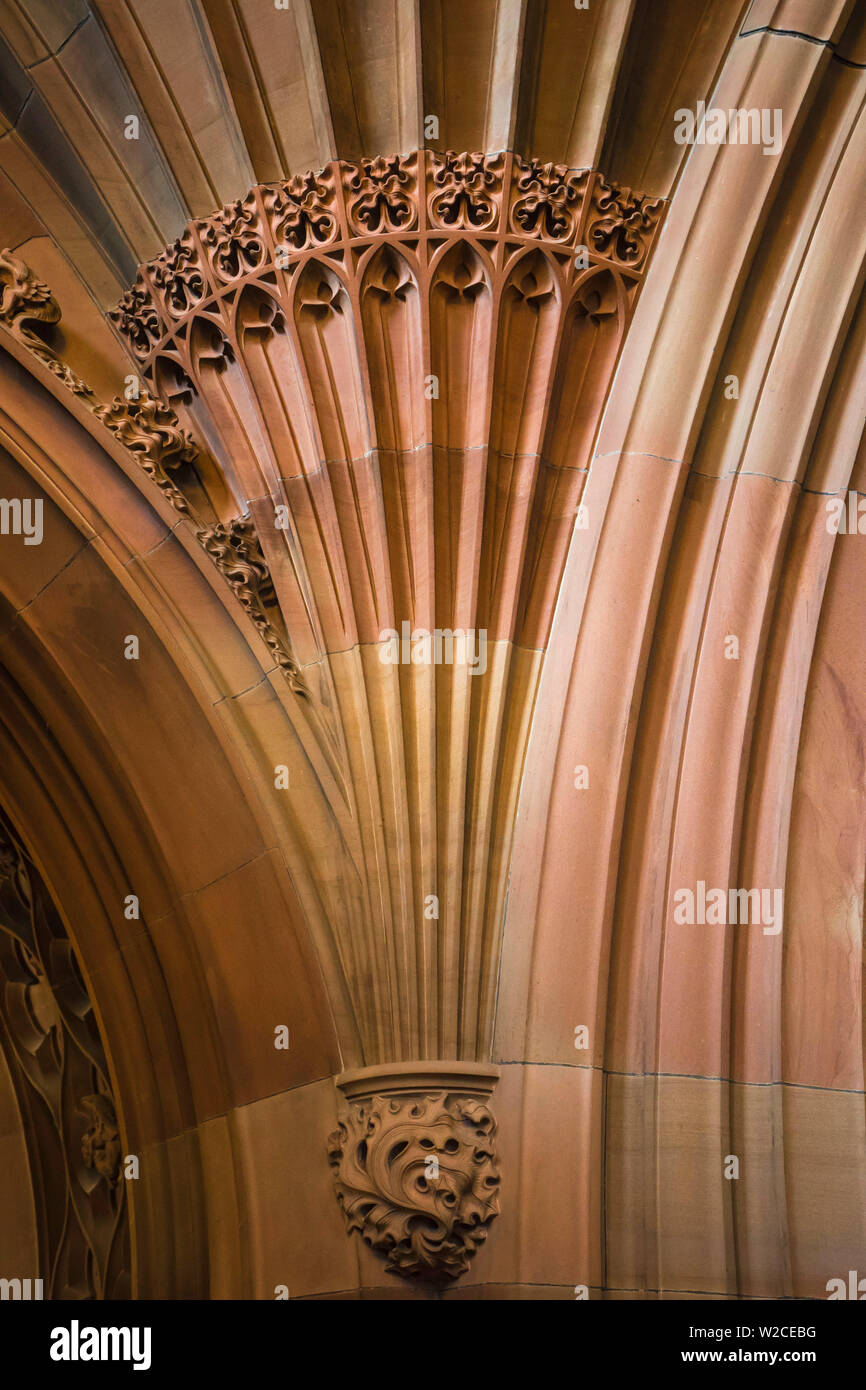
[414,1164]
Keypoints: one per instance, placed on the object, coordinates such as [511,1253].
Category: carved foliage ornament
[236,551]
[622,223]
[381,196]
[301,211]
[233,240]
[466,190]
[179,276]
[425,191]
[25,301]
[137,319]
[49,1033]
[549,199]
[416,1176]
[150,429]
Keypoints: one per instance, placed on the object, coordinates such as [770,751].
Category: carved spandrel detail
[233,239]
[321,296]
[466,191]
[596,298]
[301,212]
[381,195]
[622,223]
[417,1177]
[388,278]
[179,276]
[460,276]
[137,319]
[547,200]
[531,281]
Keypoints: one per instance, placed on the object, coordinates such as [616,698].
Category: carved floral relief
[416,1176]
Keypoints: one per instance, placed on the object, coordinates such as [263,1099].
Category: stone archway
[471,515]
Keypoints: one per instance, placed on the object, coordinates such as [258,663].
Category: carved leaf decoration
[417,1178]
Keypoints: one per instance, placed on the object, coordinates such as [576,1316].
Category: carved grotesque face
[417,1177]
[100,1144]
